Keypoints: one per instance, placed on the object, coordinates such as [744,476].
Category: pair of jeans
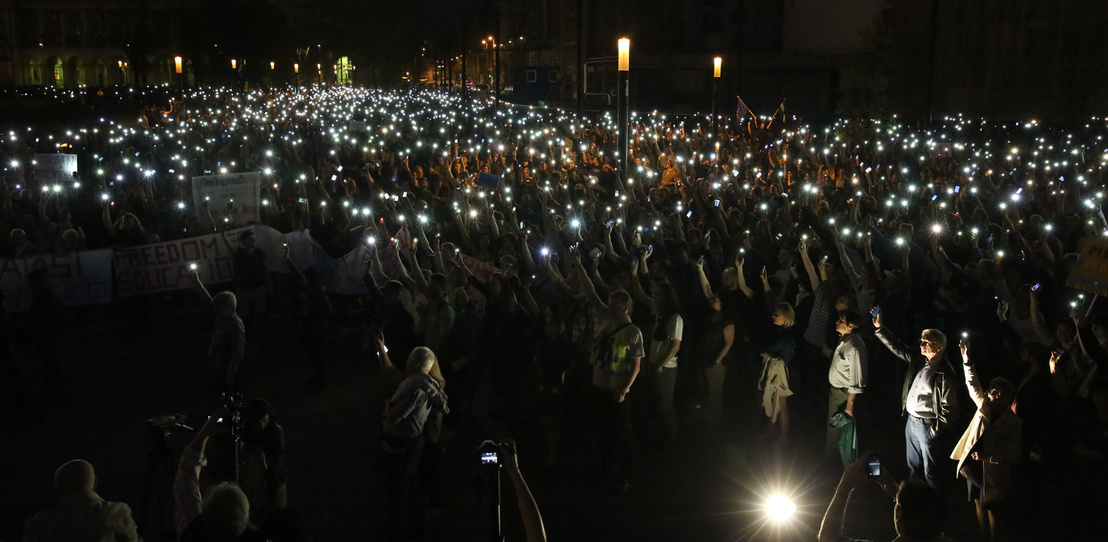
[836,401]
[919,447]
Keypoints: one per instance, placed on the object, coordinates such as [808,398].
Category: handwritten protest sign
[55,168]
[1091,271]
[243,188]
[77,278]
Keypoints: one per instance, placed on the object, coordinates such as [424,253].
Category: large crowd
[516,261]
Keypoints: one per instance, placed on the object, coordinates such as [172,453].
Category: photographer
[528,509]
[920,511]
[222,514]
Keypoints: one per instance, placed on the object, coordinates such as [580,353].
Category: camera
[489,453]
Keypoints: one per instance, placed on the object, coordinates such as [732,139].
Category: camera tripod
[157,485]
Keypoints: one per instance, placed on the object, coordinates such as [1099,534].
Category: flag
[743,109]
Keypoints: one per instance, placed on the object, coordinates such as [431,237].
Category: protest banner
[164,267]
[481,270]
[243,189]
[1090,274]
[55,168]
[77,278]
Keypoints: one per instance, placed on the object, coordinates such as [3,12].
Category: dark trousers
[617,440]
[401,465]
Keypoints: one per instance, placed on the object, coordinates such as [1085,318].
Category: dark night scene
[567,270]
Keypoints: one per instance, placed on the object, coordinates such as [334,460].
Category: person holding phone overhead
[992,443]
[928,400]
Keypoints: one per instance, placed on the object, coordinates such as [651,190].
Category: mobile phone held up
[1036,287]
[490,458]
[875,312]
[874,466]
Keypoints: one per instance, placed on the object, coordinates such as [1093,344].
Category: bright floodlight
[780,508]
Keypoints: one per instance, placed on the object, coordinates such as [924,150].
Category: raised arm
[972,383]
[890,341]
[813,276]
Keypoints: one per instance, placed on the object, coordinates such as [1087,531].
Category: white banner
[79,278]
[165,266]
[55,168]
[243,190]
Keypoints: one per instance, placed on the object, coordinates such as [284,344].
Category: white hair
[226,510]
[225,299]
[421,359]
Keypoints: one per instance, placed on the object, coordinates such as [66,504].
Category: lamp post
[178,66]
[623,100]
[717,69]
[296,73]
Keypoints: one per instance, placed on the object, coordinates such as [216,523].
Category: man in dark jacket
[928,400]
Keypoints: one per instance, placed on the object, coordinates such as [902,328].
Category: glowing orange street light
[178,63]
[273,65]
[624,54]
[718,61]
[234,64]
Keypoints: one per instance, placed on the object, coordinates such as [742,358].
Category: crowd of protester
[515,263]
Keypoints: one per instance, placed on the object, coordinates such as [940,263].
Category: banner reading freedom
[165,266]
[243,188]
[78,278]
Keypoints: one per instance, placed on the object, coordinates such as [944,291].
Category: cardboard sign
[55,168]
[1090,274]
[245,189]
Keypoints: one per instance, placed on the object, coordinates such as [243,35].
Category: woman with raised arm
[988,449]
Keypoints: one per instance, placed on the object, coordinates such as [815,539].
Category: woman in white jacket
[992,443]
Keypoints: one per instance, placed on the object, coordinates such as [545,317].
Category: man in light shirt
[929,399]
[847,377]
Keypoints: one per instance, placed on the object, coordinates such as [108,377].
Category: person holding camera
[992,443]
[928,399]
[224,513]
[920,511]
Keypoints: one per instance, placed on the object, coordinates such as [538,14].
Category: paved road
[117,375]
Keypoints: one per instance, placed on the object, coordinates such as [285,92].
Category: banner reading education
[241,189]
[78,278]
[55,168]
[165,267]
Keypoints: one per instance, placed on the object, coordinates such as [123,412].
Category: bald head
[75,477]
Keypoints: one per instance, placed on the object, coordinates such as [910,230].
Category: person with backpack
[617,351]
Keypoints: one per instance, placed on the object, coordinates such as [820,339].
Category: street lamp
[716,72]
[623,99]
[234,64]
